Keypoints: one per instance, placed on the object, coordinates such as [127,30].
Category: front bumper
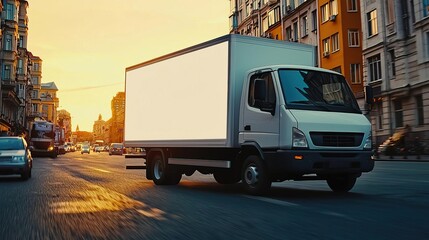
[283,163]
[8,169]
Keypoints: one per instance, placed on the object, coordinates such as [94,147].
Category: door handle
[247,128]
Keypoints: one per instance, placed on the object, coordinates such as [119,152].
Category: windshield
[11,144]
[315,90]
[42,130]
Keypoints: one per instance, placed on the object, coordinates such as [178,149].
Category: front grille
[330,139]
[5,159]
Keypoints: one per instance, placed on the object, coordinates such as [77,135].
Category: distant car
[116,149]
[15,157]
[85,149]
[98,149]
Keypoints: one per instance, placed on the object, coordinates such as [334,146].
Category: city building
[340,41]
[64,121]
[118,118]
[395,46]
[99,128]
[49,102]
[14,72]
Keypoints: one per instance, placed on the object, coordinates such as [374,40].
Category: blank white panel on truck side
[180,98]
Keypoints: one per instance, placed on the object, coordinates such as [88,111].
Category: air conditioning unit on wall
[332,18]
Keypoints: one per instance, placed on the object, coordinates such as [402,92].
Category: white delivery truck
[246,109]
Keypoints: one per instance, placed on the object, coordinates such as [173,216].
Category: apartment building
[395,46]
[340,41]
[118,117]
[260,18]
[14,62]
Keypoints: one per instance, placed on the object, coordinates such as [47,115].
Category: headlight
[50,148]
[18,159]
[368,143]
[298,139]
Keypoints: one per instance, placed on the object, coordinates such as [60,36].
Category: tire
[341,183]
[26,174]
[226,177]
[255,177]
[164,174]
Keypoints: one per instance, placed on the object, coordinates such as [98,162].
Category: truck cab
[305,123]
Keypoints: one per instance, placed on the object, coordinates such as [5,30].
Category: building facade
[14,67]
[340,41]
[396,55]
[118,118]
[64,121]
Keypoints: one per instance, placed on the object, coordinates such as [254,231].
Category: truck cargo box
[191,98]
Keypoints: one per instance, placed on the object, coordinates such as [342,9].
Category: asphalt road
[94,197]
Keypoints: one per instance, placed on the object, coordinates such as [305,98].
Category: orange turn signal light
[298,157]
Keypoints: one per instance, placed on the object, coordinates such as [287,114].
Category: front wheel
[162,174]
[255,177]
[341,183]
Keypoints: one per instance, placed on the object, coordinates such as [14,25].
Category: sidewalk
[410,158]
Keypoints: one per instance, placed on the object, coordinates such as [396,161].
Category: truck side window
[270,92]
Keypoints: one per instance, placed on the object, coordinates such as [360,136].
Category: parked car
[15,157]
[116,149]
[85,149]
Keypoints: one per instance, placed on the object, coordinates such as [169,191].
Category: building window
[399,118]
[325,45]
[35,94]
[353,38]
[35,80]
[7,72]
[34,108]
[390,11]
[264,24]
[314,20]
[289,34]
[372,23]
[20,68]
[425,8]
[336,69]
[274,16]
[420,110]
[379,124]
[426,45]
[351,6]
[355,73]
[325,12]
[335,42]
[36,67]
[391,63]
[374,71]
[21,90]
[295,31]
[10,11]
[8,42]
[21,42]
[334,7]
[304,24]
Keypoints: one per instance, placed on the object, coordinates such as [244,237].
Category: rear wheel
[341,183]
[254,176]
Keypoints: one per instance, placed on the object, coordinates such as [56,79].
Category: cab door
[261,118]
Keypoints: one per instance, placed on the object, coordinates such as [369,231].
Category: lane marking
[273,201]
[155,213]
[99,169]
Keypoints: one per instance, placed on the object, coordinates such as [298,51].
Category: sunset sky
[86,45]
